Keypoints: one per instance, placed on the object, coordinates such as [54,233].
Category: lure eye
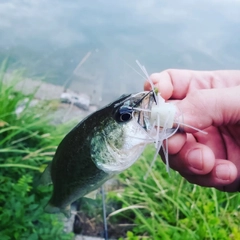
[124,114]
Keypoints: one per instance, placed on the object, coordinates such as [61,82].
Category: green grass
[168,207]
[160,207]
[27,144]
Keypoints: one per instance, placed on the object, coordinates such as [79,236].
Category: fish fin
[91,195]
[67,211]
[45,178]
[53,209]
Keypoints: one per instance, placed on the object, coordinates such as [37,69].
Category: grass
[160,207]
[27,144]
[168,207]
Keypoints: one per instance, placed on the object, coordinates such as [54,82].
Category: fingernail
[223,172]
[195,159]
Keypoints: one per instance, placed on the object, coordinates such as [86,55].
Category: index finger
[170,83]
[176,83]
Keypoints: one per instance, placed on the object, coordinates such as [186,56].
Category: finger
[213,140]
[176,84]
[193,158]
[163,83]
[208,107]
[175,143]
[223,177]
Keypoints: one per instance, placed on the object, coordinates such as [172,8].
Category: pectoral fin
[53,209]
[45,178]
[91,195]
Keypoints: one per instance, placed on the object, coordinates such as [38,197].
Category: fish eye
[124,114]
[125,117]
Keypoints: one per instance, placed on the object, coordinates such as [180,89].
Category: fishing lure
[165,122]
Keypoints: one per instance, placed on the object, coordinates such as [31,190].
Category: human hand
[210,101]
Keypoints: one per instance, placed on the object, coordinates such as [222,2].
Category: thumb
[206,107]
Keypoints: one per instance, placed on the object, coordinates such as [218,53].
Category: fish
[102,145]
[108,142]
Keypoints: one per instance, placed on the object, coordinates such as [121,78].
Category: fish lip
[139,93]
[142,113]
[131,96]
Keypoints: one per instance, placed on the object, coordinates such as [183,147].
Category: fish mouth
[142,108]
[135,107]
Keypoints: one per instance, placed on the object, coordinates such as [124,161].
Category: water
[50,38]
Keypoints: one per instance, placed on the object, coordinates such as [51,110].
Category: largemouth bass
[102,145]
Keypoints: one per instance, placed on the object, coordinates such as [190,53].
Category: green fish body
[102,145]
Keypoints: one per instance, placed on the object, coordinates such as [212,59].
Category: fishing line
[132,68]
[105,228]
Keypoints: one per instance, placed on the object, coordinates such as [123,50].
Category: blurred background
[91,46]
[84,52]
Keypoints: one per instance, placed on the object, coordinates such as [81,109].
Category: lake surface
[51,38]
